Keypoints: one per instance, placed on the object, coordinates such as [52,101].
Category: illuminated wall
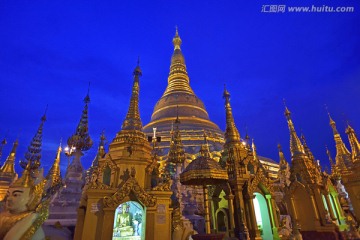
[129,222]
[262,216]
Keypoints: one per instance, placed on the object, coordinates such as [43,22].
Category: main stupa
[179,100]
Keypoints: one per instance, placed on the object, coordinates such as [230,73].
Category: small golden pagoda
[118,201]
[311,197]
[7,172]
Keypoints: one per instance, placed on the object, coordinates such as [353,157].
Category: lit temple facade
[180,176]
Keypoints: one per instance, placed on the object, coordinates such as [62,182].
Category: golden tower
[179,99]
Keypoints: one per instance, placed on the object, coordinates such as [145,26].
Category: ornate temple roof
[203,170]
[179,98]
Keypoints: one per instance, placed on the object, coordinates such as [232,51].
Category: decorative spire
[176,152]
[132,120]
[54,176]
[176,39]
[334,168]
[284,172]
[330,158]
[204,149]
[101,150]
[2,144]
[231,133]
[254,150]
[283,162]
[178,80]
[247,139]
[81,139]
[343,156]
[295,145]
[33,155]
[8,166]
[332,122]
[354,143]
[306,148]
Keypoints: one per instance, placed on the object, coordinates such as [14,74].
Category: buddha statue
[123,223]
[24,212]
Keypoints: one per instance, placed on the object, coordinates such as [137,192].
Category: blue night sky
[50,50]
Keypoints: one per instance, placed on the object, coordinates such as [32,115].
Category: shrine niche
[129,221]
[262,216]
[108,171]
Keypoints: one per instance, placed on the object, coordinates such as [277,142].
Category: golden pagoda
[180,99]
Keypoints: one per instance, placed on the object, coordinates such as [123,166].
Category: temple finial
[176,152]
[81,139]
[253,146]
[2,144]
[43,118]
[332,122]
[176,39]
[33,154]
[132,120]
[204,149]
[343,156]
[100,152]
[283,162]
[177,120]
[9,163]
[54,176]
[295,145]
[231,133]
[354,143]
[178,79]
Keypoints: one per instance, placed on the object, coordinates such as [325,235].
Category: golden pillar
[206,210]
[231,214]
[108,224]
[255,230]
[274,222]
[328,203]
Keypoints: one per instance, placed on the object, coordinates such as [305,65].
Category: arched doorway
[262,216]
[222,220]
[129,222]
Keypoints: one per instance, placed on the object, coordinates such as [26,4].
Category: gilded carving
[131,185]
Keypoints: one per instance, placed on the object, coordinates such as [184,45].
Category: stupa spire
[204,149]
[81,139]
[334,168]
[343,156]
[100,152]
[8,166]
[282,159]
[176,152]
[2,144]
[178,80]
[306,148]
[354,143]
[284,171]
[132,120]
[33,154]
[54,176]
[295,145]
[231,133]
